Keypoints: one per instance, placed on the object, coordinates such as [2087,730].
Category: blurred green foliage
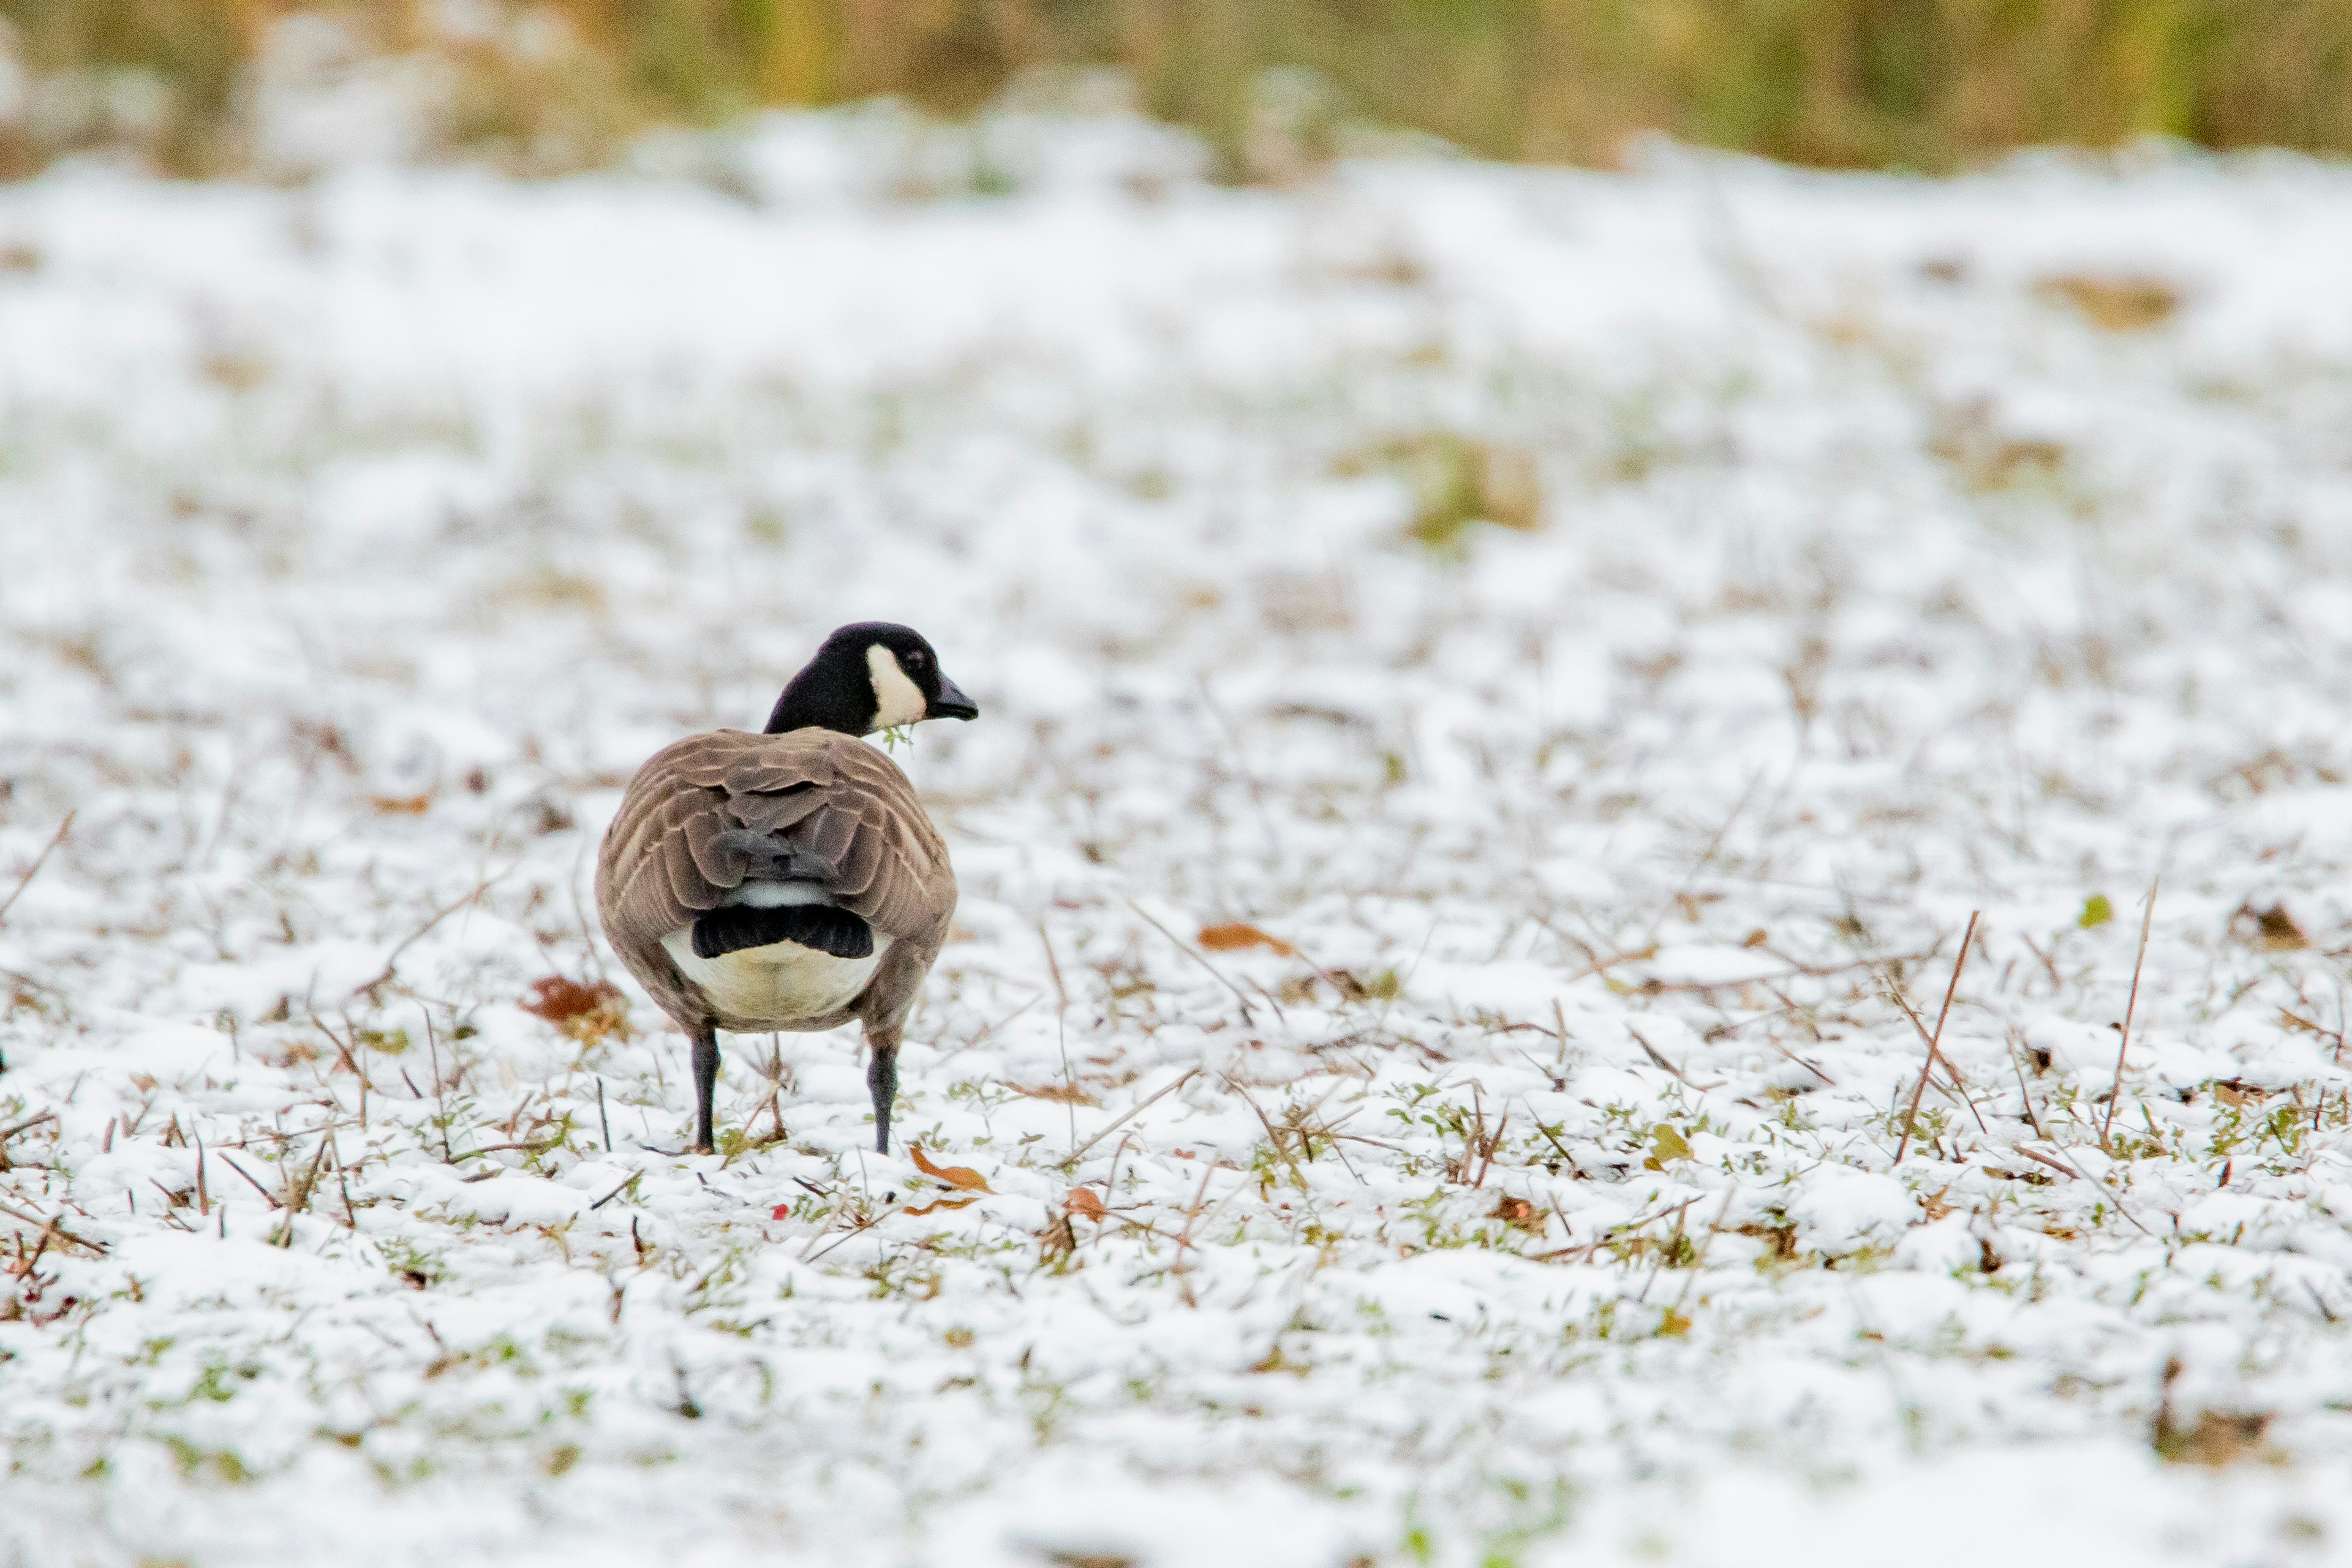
[1913,84]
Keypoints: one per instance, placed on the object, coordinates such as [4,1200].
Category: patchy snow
[1540,1204]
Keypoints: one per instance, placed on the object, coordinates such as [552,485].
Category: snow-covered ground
[1537,1201]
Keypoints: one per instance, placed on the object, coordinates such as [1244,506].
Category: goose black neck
[824,698]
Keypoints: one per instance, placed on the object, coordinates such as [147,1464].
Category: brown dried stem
[2123,1047]
[1936,1040]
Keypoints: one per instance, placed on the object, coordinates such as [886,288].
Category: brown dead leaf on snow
[1934,1204]
[2217,1437]
[1064,1093]
[1518,1214]
[1235,935]
[401,804]
[2237,1093]
[944,1203]
[1082,1202]
[962,1177]
[1782,1237]
[589,1014]
[2113,304]
[2272,929]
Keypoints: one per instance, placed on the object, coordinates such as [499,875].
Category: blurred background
[1521,528]
[559,85]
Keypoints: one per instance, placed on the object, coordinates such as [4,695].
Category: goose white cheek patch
[896,700]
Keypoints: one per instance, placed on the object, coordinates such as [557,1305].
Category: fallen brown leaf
[2237,1092]
[401,804]
[2114,304]
[962,1177]
[1518,1214]
[2275,931]
[587,1013]
[1236,935]
[1066,1093]
[945,1204]
[2218,1438]
[1082,1201]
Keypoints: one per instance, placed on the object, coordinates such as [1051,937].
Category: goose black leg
[882,1077]
[706,1085]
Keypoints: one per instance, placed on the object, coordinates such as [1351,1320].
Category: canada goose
[790,879]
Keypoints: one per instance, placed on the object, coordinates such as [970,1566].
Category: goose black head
[873,675]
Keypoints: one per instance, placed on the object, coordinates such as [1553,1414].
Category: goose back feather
[712,814]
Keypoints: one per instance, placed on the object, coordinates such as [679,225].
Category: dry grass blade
[68,1238]
[1186,949]
[26,1125]
[1114,1124]
[392,959]
[2122,1047]
[1936,1040]
[33,869]
[250,1180]
[616,1191]
[1936,1057]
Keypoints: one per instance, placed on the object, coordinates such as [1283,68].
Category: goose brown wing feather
[708,813]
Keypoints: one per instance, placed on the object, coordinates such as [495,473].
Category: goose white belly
[779,984]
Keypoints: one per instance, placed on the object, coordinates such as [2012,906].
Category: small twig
[2123,1047]
[1705,857]
[856,1229]
[40,1246]
[1713,1227]
[1936,1040]
[2073,1169]
[68,1238]
[1183,1269]
[1631,955]
[26,1125]
[502,1148]
[2058,1166]
[1796,972]
[1062,1028]
[1564,1154]
[1936,1058]
[1186,949]
[257,1187]
[2048,964]
[616,1192]
[391,960]
[2018,1067]
[1273,1135]
[1117,1121]
[35,869]
[1652,1052]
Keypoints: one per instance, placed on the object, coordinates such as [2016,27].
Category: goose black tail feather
[819,927]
